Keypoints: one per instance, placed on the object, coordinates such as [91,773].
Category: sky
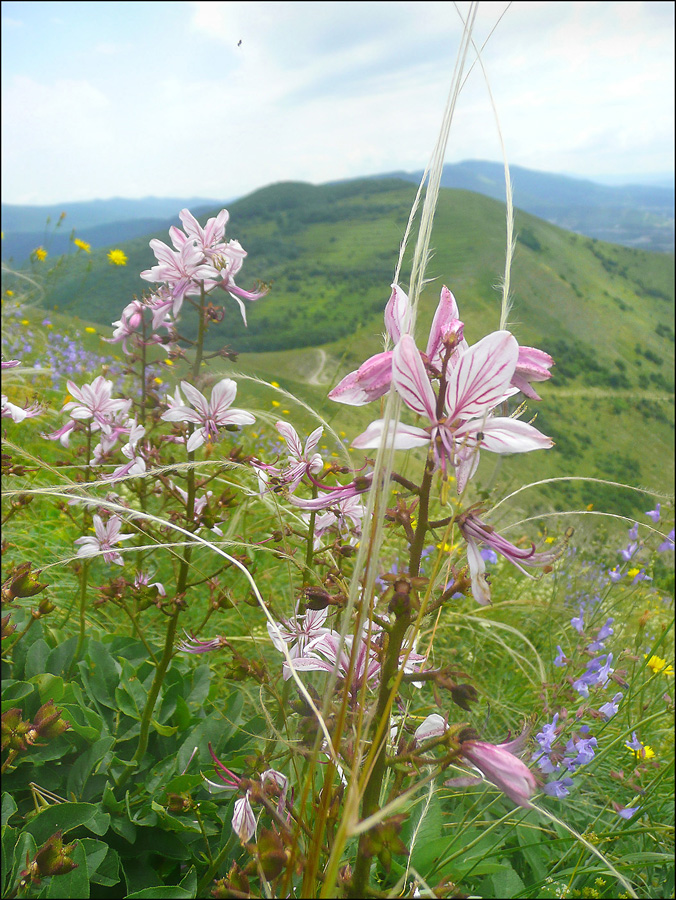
[216,99]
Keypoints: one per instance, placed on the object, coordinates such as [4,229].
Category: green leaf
[9,807]
[130,694]
[164,730]
[507,883]
[90,729]
[182,715]
[200,685]
[60,659]
[51,687]
[36,658]
[179,824]
[14,691]
[81,769]
[428,823]
[26,844]
[66,816]
[182,783]
[170,892]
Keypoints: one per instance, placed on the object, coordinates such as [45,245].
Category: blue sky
[135,99]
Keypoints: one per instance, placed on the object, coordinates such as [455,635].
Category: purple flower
[668,544]
[615,575]
[558,789]
[626,812]
[302,461]
[633,532]
[610,708]
[209,414]
[654,514]
[578,621]
[561,659]
[548,734]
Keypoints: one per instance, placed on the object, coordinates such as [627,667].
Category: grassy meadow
[153,745]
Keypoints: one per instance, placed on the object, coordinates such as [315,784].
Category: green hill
[603,311]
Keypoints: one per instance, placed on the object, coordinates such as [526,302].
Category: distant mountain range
[640,216]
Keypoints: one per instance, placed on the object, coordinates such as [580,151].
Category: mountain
[604,312]
[87,213]
[639,216]
[99,223]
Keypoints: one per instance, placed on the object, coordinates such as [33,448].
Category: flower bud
[14,730]
[53,858]
[48,722]
[22,583]
[503,769]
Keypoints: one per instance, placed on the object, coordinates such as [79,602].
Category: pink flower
[105,537]
[18,413]
[302,460]
[479,381]
[532,365]
[93,401]
[475,531]
[182,270]
[298,632]
[209,414]
[433,726]
[502,768]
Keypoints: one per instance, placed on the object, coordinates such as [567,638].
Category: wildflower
[210,415]
[18,413]
[433,726]
[654,514]
[478,383]
[82,245]
[192,645]
[10,363]
[610,708]
[578,621]
[182,271]
[640,750]
[302,460]
[605,631]
[559,789]
[105,537]
[40,254]
[615,575]
[298,632]
[656,665]
[532,365]
[474,530]
[117,257]
[94,401]
[667,544]
[626,812]
[329,654]
[561,659]
[502,768]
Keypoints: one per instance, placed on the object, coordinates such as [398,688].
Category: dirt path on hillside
[316,376]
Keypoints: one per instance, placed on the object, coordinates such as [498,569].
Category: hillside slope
[603,311]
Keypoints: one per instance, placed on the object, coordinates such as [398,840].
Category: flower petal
[411,380]
[481,379]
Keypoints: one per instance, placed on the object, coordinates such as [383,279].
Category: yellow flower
[25,322]
[117,257]
[445,548]
[276,403]
[274,383]
[82,245]
[286,412]
[659,665]
[41,254]
[632,573]
[168,362]
[590,506]
[158,380]
[549,540]
[10,293]
[90,330]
